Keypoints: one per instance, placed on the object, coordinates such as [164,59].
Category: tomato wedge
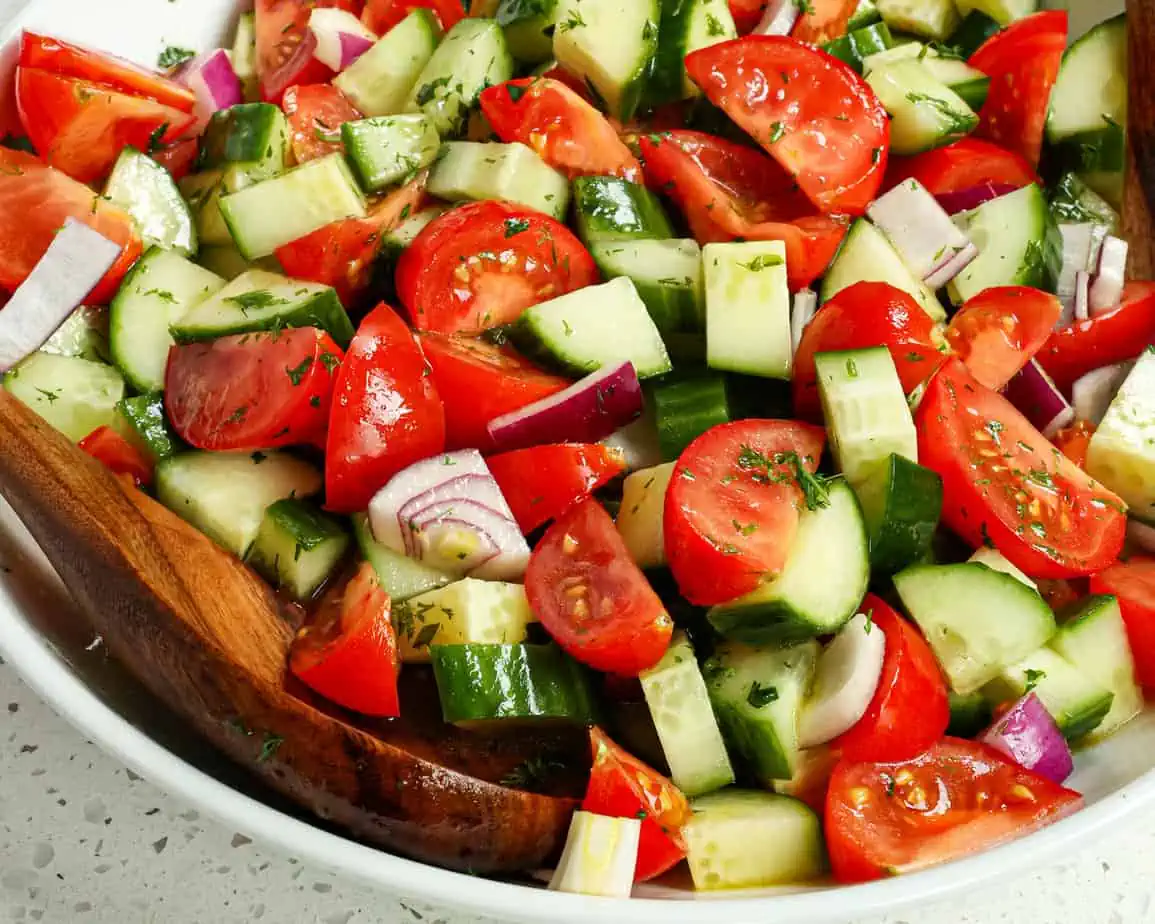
[1075,441]
[1023,63]
[80,127]
[285,45]
[35,200]
[1115,337]
[482,264]
[252,391]
[911,708]
[383,15]
[386,412]
[732,506]
[542,483]
[864,315]
[178,159]
[342,254]
[348,653]
[729,191]
[591,597]
[747,13]
[813,113]
[316,113]
[118,455]
[566,131]
[961,166]
[822,21]
[1133,584]
[998,331]
[52,54]
[621,786]
[479,382]
[1003,482]
[960,797]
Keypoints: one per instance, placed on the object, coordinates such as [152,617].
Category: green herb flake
[760,696]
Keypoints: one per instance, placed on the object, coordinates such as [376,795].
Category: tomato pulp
[316,113]
[998,331]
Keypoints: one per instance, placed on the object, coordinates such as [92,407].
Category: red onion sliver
[1081,306]
[955,265]
[967,199]
[340,37]
[71,267]
[1092,394]
[930,244]
[1034,393]
[779,18]
[212,78]
[1107,289]
[588,411]
[1028,735]
[802,313]
[478,487]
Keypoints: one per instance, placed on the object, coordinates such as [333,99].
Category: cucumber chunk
[1093,639]
[741,838]
[74,395]
[969,715]
[1122,451]
[747,308]
[977,27]
[1091,91]
[385,150]
[686,26]
[472,56]
[378,83]
[529,26]
[252,135]
[599,857]
[865,14]
[679,704]
[609,210]
[161,289]
[641,515]
[925,113]
[758,695]
[226,261]
[933,19]
[261,301]
[514,172]
[145,189]
[978,621]
[808,598]
[597,326]
[685,408]
[84,333]
[997,561]
[1004,12]
[298,547]
[1018,242]
[865,409]
[667,275]
[225,494]
[466,612]
[1076,702]
[142,421]
[901,505]
[481,685]
[855,47]
[400,576]
[610,44]
[1074,202]
[867,256]
[278,211]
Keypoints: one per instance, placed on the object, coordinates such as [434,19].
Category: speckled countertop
[84,840]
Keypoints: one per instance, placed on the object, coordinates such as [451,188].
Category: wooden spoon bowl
[210,640]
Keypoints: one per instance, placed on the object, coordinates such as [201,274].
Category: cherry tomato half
[998,331]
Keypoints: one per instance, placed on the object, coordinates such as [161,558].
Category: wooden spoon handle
[1139,182]
[206,636]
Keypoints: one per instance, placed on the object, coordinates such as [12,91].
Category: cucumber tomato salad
[753,387]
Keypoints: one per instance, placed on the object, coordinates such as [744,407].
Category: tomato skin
[621,786]
[549,261]
[252,391]
[823,21]
[543,482]
[342,254]
[876,824]
[826,126]
[910,710]
[349,652]
[81,127]
[1023,63]
[998,331]
[729,191]
[386,412]
[118,455]
[961,166]
[1115,337]
[864,315]
[383,15]
[1075,441]
[714,499]
[589,595]
[52,54]
[35,200]
[988,455]
[285,45]
[566,131]
[480,382]
[1132,583]
[178,159]
[747,13]
[313,111]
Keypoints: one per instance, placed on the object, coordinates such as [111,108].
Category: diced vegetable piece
[1034,393]
[379,81]
[667,275]
[925,113]
[142,421]
[846,677]
[929,243]
[640,515]
[468,612]
[385,150]
[1028,735]
[75,395]
[512,172]
[599,856]
[933,19]
[747,308]
[145,189]
[400,576]
[340,37]
[298,547]
[901,505]
[997,561]
[1091,91]
[609,209]
[1122,451]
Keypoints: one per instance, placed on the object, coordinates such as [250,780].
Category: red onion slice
[779,18]
[71,267]
[1078,242]
[213,79]
[341,37]
[967,199]
[932,246]
[1107,289]
[1038,398]
[638,443]
[802,313]
[1081,306]
[479,487]
[455,535]
[954,265]
[1092,394]
[1028,735]
[586,412]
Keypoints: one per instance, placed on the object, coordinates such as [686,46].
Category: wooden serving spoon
[1139,181]
[210,640]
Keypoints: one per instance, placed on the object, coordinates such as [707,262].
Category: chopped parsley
[761,262]
[252,301]
[297,374]
[515,226]
[269,747]
[173,57]
[1034,678]
[814,489]
[760,695]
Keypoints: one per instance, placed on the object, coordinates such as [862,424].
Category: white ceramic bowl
[48,642]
